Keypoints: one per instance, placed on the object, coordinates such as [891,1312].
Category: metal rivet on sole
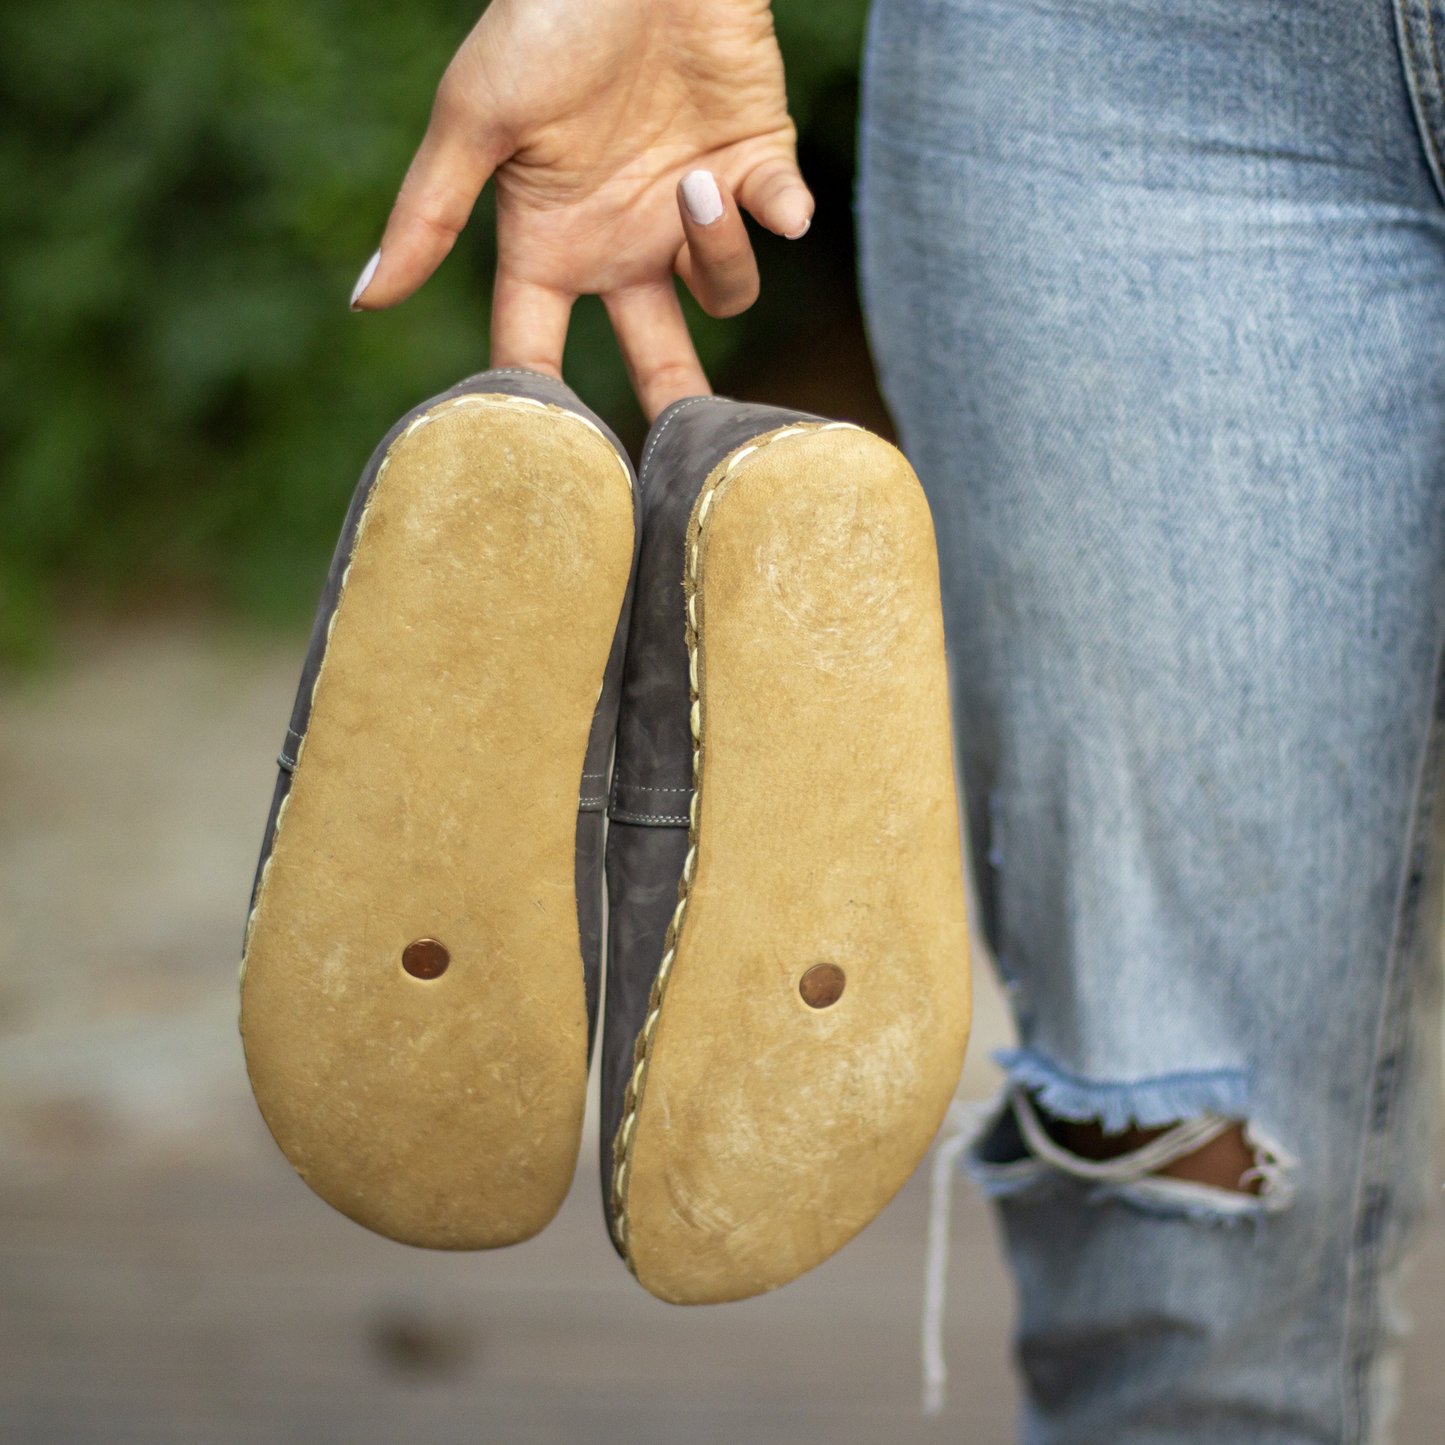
[426,958]
[822,985]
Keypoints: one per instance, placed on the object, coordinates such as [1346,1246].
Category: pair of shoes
[754,629]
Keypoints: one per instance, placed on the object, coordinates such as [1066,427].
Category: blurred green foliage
[189,188]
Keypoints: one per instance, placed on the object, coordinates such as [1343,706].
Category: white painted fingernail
[704,200]
[798,235]
[364,280]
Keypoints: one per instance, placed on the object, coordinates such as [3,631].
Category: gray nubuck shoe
[420,978]
[787,988]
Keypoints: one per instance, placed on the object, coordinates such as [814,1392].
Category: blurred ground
[165,1277]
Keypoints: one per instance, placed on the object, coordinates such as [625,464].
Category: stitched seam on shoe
[652,445]
[693,565]
[500,398]
[620,815]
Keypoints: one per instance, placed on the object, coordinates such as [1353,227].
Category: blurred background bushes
[189,189]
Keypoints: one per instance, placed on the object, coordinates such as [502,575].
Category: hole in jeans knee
[1210,1165]
[1226,1161]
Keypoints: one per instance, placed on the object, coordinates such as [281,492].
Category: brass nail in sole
[822,985]
[426,958]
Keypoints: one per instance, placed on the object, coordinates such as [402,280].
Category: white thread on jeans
[1182,1140]
[1272,1166]
[935,1270]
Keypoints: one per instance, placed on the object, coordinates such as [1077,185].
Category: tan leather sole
[772,1115]
[435,797]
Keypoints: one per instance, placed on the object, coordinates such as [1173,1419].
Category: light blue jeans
[1157,294]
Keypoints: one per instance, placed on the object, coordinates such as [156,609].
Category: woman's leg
[1157,292]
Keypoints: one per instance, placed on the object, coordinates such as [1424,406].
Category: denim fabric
[1157,294]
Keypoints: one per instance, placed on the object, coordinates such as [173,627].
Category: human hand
[590,113]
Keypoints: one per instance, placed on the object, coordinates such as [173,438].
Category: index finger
[461,148]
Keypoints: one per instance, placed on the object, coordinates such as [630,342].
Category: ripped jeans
[1157,294]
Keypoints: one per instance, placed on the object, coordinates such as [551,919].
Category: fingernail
[364,280]
[704,200]
[798,235]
